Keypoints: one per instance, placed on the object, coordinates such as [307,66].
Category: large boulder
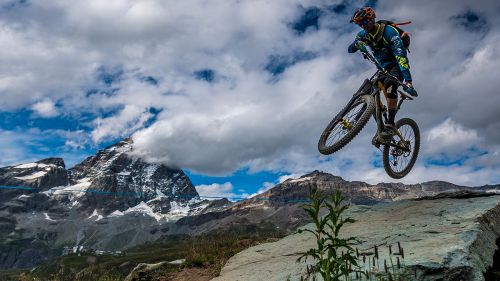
[443,239]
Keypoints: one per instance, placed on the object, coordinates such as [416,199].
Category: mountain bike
[400,151]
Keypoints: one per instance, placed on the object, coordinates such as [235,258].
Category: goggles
[363,23]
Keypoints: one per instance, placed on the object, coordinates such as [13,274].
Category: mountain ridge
[113,200]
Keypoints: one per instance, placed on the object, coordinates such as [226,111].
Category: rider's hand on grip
[408,87]
[360,45]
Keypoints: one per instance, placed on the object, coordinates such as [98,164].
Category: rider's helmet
[365,13]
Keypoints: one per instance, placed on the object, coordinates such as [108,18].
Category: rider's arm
[359,37]
[399,51]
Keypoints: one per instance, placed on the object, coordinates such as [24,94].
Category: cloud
[450,137]
[45,109]
[255,93]
[215,191]
[130,119]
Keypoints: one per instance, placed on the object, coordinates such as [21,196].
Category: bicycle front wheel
[344,127]
[398,162]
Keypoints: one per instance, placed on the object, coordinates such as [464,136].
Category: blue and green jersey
[389,51]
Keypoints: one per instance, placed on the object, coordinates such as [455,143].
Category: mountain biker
[389,50]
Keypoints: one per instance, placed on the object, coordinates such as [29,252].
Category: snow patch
[123,174]
[23,196]
[47,217]
[80,187]
[115,214]
[121,148]
[95,215]
[150,170]
[255,205]
[26,166]
[144,209]
[32,176]
[300,180]
[34,165]
[198,209]
[177,209]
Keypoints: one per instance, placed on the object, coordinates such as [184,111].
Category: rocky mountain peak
[130,180]
[322,176]
[59,162]
[42,175]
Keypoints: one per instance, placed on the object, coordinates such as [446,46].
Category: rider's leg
[392,101]
[392,104]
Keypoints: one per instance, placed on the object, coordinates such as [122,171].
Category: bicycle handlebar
[368,56]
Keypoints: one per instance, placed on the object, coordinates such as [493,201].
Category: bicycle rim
[397,162]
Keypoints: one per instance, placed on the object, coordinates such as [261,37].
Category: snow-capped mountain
[113,180]
[110,201]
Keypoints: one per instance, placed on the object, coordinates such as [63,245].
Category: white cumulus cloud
[246,117]
[215,191]
[45,109]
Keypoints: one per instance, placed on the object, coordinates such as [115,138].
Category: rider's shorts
[395,71]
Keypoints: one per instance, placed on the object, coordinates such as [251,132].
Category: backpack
[405,36]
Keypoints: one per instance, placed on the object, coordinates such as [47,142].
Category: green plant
[333,255]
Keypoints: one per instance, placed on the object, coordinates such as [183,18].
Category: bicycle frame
[374,91]
[371,87]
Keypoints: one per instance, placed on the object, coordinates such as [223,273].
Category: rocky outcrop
[142,270]
[444,239]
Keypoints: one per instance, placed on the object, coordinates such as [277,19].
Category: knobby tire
[415,150]
[357,127]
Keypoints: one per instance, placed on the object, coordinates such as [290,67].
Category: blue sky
[236,93]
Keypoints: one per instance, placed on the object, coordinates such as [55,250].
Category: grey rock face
[41,175]
[33,177]
[129,181]
[444,239]
[22,256]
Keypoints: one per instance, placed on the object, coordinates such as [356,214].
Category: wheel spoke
[399,159]
[339,131]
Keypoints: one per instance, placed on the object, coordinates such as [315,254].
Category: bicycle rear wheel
[344,127]
[398,162]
